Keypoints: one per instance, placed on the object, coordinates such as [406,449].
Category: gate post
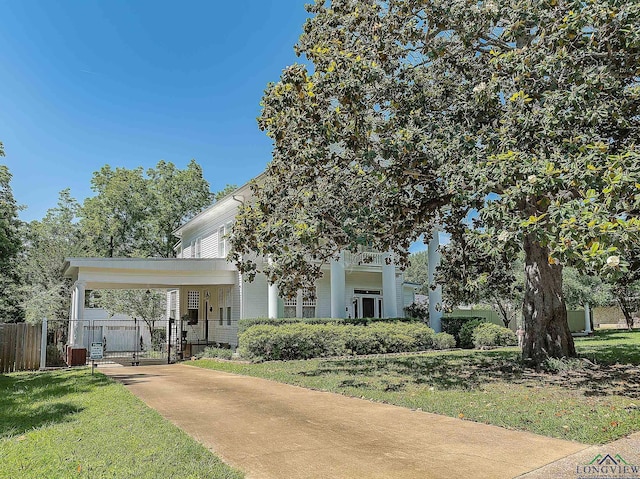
[43,345]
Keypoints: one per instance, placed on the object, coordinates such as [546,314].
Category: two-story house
[207,295]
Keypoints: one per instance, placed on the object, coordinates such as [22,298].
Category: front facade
[207,295]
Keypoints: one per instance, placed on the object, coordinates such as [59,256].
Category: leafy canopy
[526,112]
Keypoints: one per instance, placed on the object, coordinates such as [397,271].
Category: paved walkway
[272,430]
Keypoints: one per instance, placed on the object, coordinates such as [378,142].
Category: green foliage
[488,335]
[48,242]
[244,324]
[418,310]
[443,341]
[418,270]
[524,116]
[454,325]
[305,341]
[10,246]
[221,353]
[465,337]
[135,215]
[580,289]
[145,305]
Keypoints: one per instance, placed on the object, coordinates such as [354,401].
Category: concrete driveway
[273,430]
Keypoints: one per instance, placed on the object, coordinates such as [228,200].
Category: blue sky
[127,83]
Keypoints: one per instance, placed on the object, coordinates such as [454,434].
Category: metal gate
[128,342]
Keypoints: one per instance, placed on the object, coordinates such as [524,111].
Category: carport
[198,279]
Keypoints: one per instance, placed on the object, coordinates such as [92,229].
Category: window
[221,306]
[173,301]
[309,303]
[193,305]
[224,305]
[91,299]
[290,307]
[195,247]
[222,253]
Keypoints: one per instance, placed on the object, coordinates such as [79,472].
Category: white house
[207,295]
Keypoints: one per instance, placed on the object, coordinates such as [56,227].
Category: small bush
[555,365]
[222,353]
[54,356]
[491,335]
[305,341]
[453,325]
[245,324]
[443,341]
[465,339]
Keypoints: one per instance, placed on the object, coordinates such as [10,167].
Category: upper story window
[223,240]
[196,246]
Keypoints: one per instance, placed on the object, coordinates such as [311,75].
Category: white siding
[256,298]
[323,292]
[400,296]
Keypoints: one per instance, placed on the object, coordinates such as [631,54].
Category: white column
[79,313]
[72,317]
[273,301]
[587,318]
[272,297]
[389,293]
[337,287]
[43,345]
[299,300]
[435,294]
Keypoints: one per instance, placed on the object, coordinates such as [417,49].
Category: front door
[368,307]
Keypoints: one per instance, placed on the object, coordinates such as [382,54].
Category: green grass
[68,424]
[592,402]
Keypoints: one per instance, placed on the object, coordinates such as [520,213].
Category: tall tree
[134,215]
[10,249]
[114,221]
[421,112]
[177,195]
[49,241]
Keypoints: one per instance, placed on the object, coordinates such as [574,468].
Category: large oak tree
[417,112]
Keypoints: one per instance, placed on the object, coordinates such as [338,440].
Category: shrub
[465,339]
[443,341]
[491,335]
[54,356]
[305,341]
[245,324]
[453,325]
[212,352]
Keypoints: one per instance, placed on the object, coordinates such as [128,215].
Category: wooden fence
[19,347]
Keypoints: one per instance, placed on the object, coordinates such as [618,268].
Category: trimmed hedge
[443,341]
[489,335]
[305,341]
[465,338]
[454,325]
[245,324]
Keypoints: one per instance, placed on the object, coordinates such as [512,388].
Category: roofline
[178,231]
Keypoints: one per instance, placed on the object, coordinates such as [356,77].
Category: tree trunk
[545,313]
[625,307]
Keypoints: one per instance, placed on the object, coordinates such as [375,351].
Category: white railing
[363,258]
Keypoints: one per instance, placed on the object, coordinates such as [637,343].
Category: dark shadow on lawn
[18,394]
[600,376]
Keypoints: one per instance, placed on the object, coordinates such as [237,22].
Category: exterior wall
[408,296]
[323,292]
[255,298]
[207,232]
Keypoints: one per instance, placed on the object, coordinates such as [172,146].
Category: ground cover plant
[67,424]
[594,399]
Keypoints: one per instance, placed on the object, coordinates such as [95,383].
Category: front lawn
[67,424]
[593,401]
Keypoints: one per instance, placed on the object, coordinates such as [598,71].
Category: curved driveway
[273,430]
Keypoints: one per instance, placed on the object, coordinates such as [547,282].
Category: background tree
[177,196]
[625,286]
[10,250]
[147,306]
[418,270]
[420,112]
[135,215]
[472,274]
[47,294]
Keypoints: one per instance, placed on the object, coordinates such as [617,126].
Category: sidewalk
[273,430]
